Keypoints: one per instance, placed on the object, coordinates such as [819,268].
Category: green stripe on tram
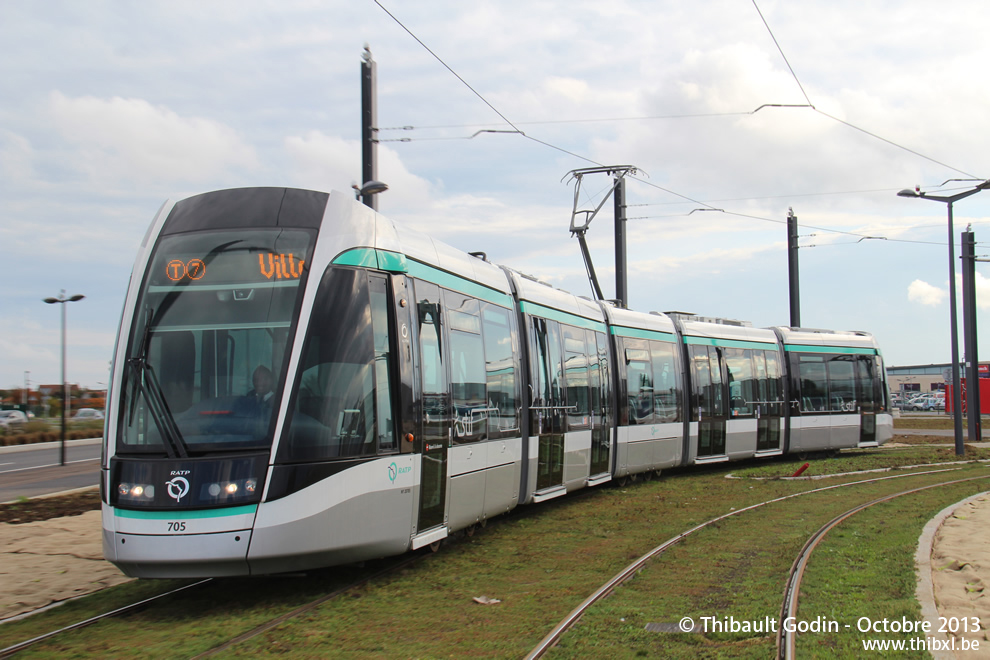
[395,262]
[199,514]
[730,343]
[844,350]
[536,309]
[640,333]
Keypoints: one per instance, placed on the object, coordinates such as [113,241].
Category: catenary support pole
[369,126]
[621,281]
[969,336]
[792,268]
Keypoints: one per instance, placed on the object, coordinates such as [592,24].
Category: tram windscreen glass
[209,341]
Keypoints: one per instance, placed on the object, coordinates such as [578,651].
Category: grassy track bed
[865,568]
[738,571]
[540,563]
[858,459]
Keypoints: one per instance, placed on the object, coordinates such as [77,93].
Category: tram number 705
[177,527]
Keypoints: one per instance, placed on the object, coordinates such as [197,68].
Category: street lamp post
[65,397]
[949,200]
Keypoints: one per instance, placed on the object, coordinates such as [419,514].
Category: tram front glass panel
[207,355]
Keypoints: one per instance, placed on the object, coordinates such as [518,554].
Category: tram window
[178,371]
[739,365]
[603,365]
[467,387]
[774,394]
[342,406]
[576,376]
[715,358]
[842,383]
[500,367]
[539,367]
[383,400]
[666,386]
[595,375]
[813,383]
[866,384]
[639,381]
[760,380]
[702,383]
[547,370]
[880,392]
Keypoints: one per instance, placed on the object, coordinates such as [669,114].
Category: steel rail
[787,640]
[11,650]
[558,631]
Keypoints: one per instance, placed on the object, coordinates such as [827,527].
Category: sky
[110,107]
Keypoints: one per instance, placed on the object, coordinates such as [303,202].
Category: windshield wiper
[146,384]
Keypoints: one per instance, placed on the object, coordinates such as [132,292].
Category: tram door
[436,432]
[601,404]
[870,400]
[547,405]
[770,405]
[711,400]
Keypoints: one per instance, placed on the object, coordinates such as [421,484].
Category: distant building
[923,378]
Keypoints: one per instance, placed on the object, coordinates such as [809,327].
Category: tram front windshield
[205,366]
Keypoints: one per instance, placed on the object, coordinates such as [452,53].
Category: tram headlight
[237,490]
[135,491]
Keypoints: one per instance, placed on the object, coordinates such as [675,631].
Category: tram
[299,382]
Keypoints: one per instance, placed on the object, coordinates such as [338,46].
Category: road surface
[34,470]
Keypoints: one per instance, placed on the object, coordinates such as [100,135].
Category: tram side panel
[340,489]
[650,419]
[838,389]
[486,441]
[736,381]
[569,399]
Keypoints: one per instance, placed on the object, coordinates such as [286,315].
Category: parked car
[88,413]
[926,402]
[12,419]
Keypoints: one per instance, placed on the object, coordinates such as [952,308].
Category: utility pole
[621,277]
[369,127]
[969,335]
[792,268]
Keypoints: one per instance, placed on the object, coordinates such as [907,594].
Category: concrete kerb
[925,591]
[71,491]
[11,449]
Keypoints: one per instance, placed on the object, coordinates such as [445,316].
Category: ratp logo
[177,487]
[394,471]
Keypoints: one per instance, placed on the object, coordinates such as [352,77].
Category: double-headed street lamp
[65,397]
[948,200]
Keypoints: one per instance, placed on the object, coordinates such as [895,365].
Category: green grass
[858,459]
[864,568]
[540,563]
[941,422]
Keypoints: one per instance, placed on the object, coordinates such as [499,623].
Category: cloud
[925,294]
[324,162]
[132,140]
[982,292]
[16,156]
